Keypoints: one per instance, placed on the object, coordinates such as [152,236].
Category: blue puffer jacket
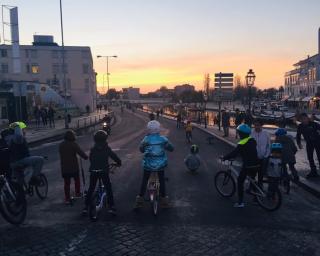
[154,146]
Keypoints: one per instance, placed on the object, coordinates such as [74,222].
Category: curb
[61,135]
[303,182]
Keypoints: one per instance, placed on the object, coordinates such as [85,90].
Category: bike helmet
[153,127]
[22,125]
[244,128]
[280,132]
[100,136]
[276,146]
[194,149]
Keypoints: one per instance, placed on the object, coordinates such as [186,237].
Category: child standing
[192,160]
[68,150]
[99,160]
[274,166]
[288,153]
[189,131]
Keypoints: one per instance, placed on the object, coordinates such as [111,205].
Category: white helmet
[153,127]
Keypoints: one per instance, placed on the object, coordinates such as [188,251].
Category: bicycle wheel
[13,208]
[285,185]
[93,211]
[225,183]
[42,187]
[271,199]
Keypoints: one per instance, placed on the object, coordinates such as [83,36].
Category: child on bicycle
[192,160]
[247,149]
[189,131]
[99,160]
[154,147]
[274,165]
[288,153]
[68,150]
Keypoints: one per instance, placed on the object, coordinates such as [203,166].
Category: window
[85,69]
[86,85]
[34,54]
[4,68]
[28,68]
[4,53]
[55,54]
[35,68]
[55,69]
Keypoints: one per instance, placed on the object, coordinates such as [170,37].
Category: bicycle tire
[271,201]
[227,179]
[44,185]
[11,212]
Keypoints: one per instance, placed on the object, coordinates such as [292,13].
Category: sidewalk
[41,133]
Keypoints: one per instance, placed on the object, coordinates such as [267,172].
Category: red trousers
[67,182]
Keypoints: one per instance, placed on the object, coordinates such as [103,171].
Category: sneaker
[312,175]
[139,202]
[164,202]
[77,195]
[112,210]
[85,211]
[238,205]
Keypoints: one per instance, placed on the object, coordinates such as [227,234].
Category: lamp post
[107,57]
[205,97]
[66,124]
[250,78]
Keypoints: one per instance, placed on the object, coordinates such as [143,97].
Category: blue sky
[177,41]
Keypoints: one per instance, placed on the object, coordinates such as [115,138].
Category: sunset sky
[171,42]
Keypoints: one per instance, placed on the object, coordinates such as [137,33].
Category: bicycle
[13,204]
[153,189]
[41,187]
[99,198]
[285,181]
[269,199]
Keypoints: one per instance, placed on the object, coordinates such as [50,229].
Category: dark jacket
[238,119]
[18,146]
[310,132]
[68,150]
[99,157]
[289,149]
[248,153]
[225,119]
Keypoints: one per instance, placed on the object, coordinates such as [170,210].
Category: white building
[42,63]
[302,83]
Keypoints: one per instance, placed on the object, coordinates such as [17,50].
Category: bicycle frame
[4,184]
[153,186]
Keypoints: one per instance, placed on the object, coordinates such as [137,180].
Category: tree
[206,84]
[112,94]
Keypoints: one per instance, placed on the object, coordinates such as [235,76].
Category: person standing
[37,116]
[262,138]
[68,151]
[179,120]
[311,133]
[225,122]
[51,113]
[248,120]
[44,116]
[238,120]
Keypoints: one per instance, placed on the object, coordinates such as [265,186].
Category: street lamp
[107,57]
[205,97]
[250,78]
[66,123]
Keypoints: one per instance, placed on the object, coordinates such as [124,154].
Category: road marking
[74,242]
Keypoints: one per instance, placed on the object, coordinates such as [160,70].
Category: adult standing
[311,133]
[225,122]
[51,113]
[248,120]
[238,120]
[37,115]
[179,120]
[44,116]
[282,121]
[262,138]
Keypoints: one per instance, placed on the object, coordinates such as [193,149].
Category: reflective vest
[244,141]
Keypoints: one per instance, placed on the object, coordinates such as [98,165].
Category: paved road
[200,222]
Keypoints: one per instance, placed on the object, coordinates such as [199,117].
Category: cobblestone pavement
[199,223]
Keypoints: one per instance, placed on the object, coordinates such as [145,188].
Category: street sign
[219,75]
[223,86]
[217,80]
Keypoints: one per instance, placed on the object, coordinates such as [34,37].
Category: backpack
[274,167]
